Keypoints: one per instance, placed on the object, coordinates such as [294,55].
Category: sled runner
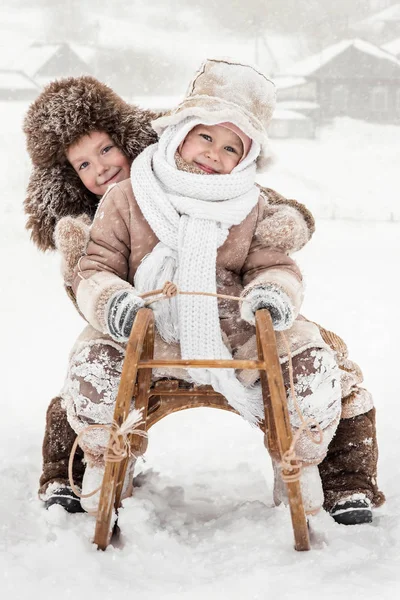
[168,396]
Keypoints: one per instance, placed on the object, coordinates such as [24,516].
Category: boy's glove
[275,300]
[121,312]
[71,237]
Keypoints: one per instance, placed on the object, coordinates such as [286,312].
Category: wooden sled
[169,396]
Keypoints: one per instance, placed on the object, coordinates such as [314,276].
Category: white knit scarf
[191,215]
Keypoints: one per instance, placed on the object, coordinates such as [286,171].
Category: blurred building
[353,78]
[42,63]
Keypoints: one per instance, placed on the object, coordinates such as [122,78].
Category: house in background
[287,123]
[16,86]
[353,78]
[45,62]
[297,96]
[42,63]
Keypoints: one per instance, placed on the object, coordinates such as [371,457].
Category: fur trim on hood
[66,110]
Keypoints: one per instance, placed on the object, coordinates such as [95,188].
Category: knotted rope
[118,446]
[169,290]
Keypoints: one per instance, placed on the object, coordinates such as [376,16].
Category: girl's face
[98,162]
[212,148]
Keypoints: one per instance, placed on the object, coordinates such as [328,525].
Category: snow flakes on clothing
[317,390]
[90,391]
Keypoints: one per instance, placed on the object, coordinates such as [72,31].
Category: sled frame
[168,396]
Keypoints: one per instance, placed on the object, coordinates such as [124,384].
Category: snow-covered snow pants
[349,467]
[95,369]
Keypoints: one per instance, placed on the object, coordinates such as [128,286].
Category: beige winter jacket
[281,224]
[121,238]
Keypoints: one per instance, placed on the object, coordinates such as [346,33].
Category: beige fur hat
[224,90]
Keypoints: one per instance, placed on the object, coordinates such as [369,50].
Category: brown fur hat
[66,110]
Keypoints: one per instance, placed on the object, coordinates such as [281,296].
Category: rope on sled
[117,449]
[169,290]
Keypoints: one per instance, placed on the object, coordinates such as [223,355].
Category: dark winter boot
[353,511]
[58,440]
[65,497]
[349,471]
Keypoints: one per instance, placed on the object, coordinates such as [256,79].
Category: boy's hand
[275,300]
[121,312]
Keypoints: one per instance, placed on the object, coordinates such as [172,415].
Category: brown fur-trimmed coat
[249,256]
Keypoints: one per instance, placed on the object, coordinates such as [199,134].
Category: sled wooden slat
[168,396]
[279,432]
[184,392]
[142,327]
[175,403]
[202,363]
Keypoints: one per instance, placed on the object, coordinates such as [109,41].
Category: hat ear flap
[55,192]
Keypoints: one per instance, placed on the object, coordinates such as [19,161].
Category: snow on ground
[203,523]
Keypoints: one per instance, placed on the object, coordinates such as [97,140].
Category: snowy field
[203,523]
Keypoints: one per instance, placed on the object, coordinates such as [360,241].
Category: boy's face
[212,148]
[98,162]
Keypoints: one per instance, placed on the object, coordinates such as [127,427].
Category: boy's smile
[212,148]
[98,162]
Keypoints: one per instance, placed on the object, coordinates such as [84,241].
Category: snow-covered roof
[32,58]
[85,53]
[389,14]
[393,47]
[13,80]
[314,63]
